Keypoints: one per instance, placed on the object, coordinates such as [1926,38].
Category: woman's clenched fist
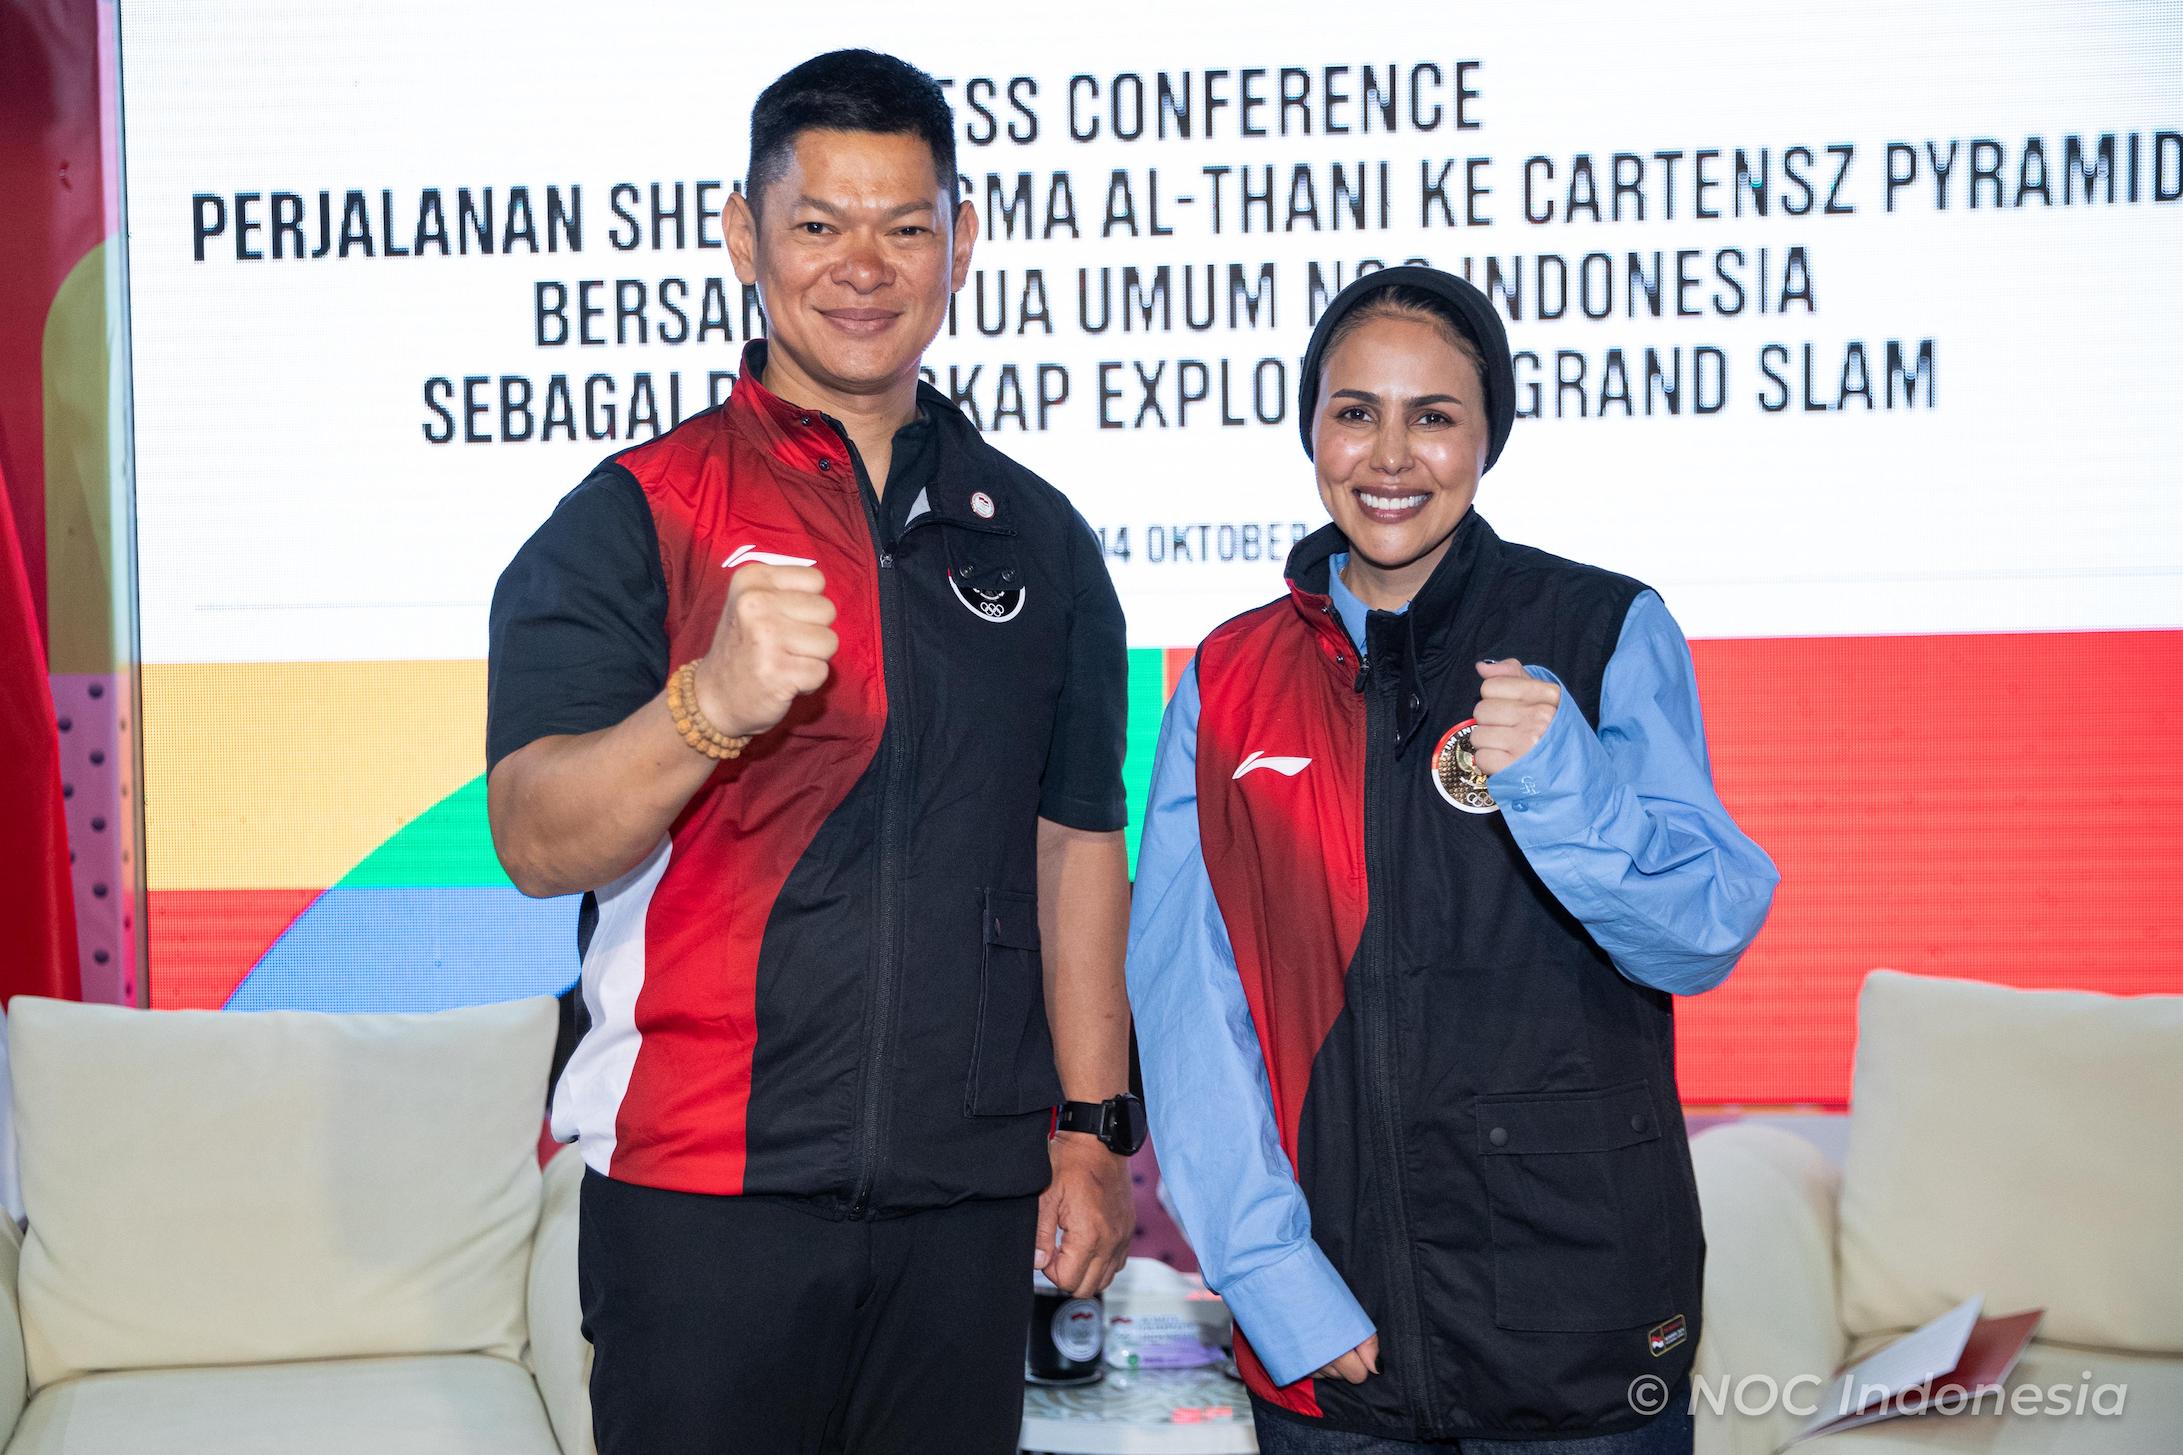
[1514,711]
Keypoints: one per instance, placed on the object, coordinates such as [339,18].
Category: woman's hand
[1514,711]
[1357,1365]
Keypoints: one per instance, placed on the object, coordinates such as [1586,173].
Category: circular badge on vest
[1456,774]
[981,505]
[994,606]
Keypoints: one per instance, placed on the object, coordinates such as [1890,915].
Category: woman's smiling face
[1400,440]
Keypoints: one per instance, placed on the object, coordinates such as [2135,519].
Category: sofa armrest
[559,1356]
[1768,1199]
[14,1368]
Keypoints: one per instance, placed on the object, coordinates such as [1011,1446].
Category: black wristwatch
[1119,1121]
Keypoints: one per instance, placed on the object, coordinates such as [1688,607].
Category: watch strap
[1118,1122]
[1088,1117]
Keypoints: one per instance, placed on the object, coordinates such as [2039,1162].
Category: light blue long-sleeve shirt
[1623,825]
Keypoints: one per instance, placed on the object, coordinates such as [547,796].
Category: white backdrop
[295,507]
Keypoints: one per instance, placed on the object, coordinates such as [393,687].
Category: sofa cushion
[462,1404]
[2020,1144]
[229,1188]
[1769,1200]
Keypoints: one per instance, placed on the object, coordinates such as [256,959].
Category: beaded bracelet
[690,720]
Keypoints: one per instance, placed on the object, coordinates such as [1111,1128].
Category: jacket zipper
[1380,1070]
[892,817]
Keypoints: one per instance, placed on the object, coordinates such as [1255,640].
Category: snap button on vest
[1498,1136]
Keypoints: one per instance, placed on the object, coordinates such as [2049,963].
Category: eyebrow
[1370,398]
[831,210]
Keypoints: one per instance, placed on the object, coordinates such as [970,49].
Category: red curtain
[52,175]
[37,912]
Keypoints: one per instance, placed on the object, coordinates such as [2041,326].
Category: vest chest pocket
[1576,1187]
[1012,1056]
[984,574]
[993,648]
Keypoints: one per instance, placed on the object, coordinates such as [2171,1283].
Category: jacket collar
[1411,647]
[813,444]
[803,441]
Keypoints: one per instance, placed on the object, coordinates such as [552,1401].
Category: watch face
[1126,1125]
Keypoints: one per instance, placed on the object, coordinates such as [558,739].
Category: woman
[1433,842]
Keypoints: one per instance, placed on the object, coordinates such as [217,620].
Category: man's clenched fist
[1514,710]
[772,645]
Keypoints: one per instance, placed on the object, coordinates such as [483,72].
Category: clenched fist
[772,645]
[1514,710]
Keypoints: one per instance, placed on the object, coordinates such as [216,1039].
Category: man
[819,700]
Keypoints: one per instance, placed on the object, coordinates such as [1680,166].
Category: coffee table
[1147,1412]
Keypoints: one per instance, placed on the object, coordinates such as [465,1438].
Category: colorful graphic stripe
[1946,805]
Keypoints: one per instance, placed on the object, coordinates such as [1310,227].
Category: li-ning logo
[746,555]
[1286,767]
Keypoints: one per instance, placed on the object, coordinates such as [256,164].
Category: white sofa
[2026,1145]
[265,1233]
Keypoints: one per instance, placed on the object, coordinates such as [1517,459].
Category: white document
[1914,1359]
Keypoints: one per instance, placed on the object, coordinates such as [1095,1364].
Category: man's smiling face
[855,249]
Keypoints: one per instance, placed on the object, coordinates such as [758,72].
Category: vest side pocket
[1012,1054]
[1576,1192]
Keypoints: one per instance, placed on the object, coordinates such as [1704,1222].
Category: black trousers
[725,1325]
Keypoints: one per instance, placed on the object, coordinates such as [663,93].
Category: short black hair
[849,90]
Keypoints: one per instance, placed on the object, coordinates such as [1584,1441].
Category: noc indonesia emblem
[1456,774]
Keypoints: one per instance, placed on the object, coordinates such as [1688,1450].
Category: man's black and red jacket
[825,981]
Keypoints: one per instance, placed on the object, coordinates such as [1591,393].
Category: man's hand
[771,646]
[1355,1366]
[1514,710]
[1089,1200]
